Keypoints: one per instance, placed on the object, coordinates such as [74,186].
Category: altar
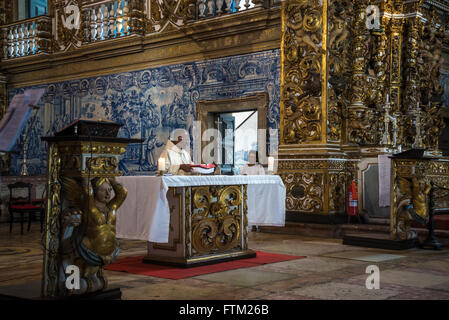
[191,220]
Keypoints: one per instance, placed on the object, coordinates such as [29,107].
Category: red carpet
[136,266]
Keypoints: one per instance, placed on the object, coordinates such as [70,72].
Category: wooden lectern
[82,151]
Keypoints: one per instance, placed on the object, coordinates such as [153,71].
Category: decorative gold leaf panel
[302,47]
[216,219]
[305,191]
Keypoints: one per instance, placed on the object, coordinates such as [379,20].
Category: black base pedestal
[381,241]
[431,243]
[32,291]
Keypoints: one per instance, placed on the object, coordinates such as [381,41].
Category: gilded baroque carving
[337,182]
[286,165]
[339,23]
[430,61]
[101,165]
[52,226]
[412,181]
[305,191]
[302,67]
[360,118]
[88,229]
[216,219]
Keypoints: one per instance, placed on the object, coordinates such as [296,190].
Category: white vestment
[174,157]
[256,169]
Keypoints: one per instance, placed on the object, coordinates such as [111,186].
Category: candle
[388,98]
[270,163]
[161,164]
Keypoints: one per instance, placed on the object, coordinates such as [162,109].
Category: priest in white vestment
[177,158]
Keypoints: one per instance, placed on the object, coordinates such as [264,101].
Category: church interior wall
[149,103]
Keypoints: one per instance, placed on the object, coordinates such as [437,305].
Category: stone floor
[330,271]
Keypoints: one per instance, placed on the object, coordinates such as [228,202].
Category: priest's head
[180,138]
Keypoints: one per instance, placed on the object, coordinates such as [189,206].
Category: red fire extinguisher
[352,199]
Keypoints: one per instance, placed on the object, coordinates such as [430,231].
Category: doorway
[239,134]
[243,116]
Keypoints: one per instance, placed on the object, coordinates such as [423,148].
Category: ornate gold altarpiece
[207,224]
[336,74]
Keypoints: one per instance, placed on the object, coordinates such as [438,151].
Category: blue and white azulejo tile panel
[149,103]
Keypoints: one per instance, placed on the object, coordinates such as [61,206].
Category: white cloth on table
[145,214]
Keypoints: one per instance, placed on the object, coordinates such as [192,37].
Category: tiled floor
[330,271]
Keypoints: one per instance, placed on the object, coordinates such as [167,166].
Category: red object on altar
[204,166]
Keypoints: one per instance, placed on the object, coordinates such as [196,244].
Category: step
[339,230]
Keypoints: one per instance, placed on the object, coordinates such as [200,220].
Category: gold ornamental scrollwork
[202,200]
[216,219]
[305,191]
[339,26]
[50,239]
[337,194]
[302,53]
[412,181]
[97,165]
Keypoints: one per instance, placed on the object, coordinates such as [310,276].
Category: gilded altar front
[207,224]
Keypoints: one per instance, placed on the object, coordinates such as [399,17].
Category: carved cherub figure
[89,228]
[303,37]
[413,205]
[339,32]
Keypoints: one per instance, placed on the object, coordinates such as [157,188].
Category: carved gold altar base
[316,184]
[208,224]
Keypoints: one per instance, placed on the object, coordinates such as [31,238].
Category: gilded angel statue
[413,205]
[89,219]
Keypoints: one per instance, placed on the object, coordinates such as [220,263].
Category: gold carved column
[314,96]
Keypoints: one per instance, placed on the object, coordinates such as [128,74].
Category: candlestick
[271,164]
[161,165]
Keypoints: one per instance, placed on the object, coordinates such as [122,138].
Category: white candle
[161,164]
[270,163]
[388,98]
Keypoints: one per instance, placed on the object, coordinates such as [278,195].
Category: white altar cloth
[145,214]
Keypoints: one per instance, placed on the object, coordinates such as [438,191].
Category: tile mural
[149,103]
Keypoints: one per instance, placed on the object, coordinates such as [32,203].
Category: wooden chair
[24,205]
